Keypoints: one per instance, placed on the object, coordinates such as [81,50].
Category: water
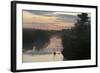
[46,54]
[42,57]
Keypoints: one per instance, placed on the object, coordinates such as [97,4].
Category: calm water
[43,56]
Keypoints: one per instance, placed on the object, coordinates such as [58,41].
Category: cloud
[47,20]
[66,13]
[39,12]
[29,18]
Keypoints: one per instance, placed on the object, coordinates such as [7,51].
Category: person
[54,53]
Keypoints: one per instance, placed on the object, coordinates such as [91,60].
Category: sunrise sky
[48,20]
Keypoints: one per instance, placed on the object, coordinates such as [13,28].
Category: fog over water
[47,53]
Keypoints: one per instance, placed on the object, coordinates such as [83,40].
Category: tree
[35,38]
[76,41]
[84,36]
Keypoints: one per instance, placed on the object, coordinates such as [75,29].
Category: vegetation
[76,41]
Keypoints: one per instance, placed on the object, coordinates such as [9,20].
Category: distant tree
[76,41]
[28,35]
[35,38]
[41,39]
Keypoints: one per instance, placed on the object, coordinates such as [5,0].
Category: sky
[49,20]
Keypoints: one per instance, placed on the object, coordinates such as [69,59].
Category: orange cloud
[53,24]
[29,18]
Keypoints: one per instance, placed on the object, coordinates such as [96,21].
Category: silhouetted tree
[76,41]
[35,38]
[41,39]
[84,38]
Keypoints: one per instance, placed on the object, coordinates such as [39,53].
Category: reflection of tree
[76,41]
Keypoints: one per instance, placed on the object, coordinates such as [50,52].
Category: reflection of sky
[48,19]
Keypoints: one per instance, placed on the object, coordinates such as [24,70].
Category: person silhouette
[54,53]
